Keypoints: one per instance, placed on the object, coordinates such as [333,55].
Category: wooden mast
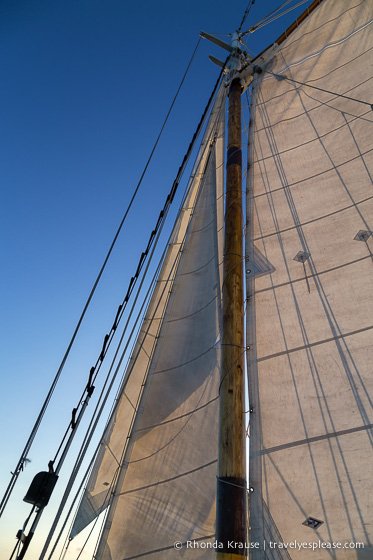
[231,515]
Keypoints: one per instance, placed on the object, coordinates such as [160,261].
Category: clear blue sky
[85,87]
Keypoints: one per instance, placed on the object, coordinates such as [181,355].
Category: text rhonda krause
[216,544]
[292,545]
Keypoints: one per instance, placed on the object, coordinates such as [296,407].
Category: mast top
[238,64]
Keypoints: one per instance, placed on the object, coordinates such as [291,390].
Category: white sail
[159,455]
[310,307]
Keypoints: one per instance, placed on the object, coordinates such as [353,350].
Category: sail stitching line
[320,104]
[315,219]
[316,29]
[305,441]
[184,363]
[311,275]
[337,95]
[313,139]
[168,479]
[319,52]
[197,269]
[194,313]
[321,78]
[178,417]
[312,344]
[313,176]
[203,228]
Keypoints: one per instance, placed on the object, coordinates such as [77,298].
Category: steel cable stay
[23,458]
[89,388]
[105,392]
[109,337]
[117,369]
[76,413]
[272,16]
[246,14]
[121,390]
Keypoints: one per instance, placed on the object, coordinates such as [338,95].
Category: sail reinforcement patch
[312,522]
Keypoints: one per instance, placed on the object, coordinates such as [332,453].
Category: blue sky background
[85,87]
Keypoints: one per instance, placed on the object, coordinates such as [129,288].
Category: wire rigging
[272,16]
[108,338]
[23,458]
[246,14]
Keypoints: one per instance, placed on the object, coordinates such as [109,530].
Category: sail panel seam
[312,275]
[318,138]
[178,417]
[312,344]
[290,228]
[287,186]
[194,313]
[320,104]
[329,46]
[314,439]
[168,479]
[316,29]
[197,269]
[308,83]
[185,363]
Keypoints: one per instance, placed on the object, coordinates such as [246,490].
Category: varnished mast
[231,515]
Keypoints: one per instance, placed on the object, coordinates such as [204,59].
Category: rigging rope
[21,461]
[268,19]
[284,77]
[247,11]
[108,340]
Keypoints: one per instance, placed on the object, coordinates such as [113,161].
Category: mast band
[232,495]
[234,156]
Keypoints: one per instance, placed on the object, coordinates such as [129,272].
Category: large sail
[310,307]
[158,462]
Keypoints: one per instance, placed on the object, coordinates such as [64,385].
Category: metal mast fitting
[238,64]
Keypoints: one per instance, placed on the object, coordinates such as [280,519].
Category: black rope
[284,77]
